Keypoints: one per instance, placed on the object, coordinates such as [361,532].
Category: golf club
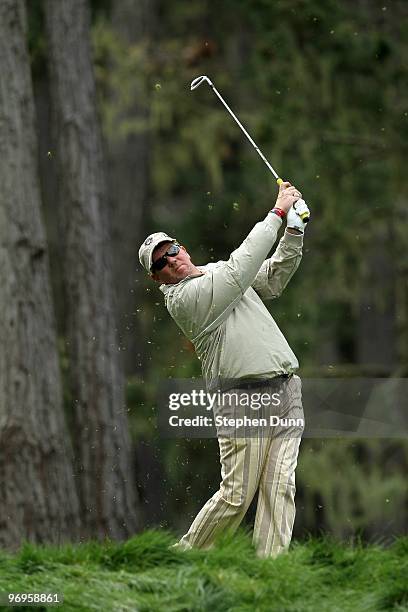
[201,79]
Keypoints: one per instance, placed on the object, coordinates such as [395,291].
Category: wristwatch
[279,212]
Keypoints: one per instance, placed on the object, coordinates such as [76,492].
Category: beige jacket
[222,313]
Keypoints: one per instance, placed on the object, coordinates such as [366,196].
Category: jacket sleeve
[204,302]
[276,272]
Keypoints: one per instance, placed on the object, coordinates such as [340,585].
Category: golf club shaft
[257,149]
[196,83]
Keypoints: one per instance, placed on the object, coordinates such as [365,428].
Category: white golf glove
[293,219]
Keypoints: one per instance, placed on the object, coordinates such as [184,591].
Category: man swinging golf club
[219,307]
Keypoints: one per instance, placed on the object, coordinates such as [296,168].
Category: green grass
[143,574]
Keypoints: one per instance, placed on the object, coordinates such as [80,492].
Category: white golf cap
[147,248]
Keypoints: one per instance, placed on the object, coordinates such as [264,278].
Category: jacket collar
[166,288]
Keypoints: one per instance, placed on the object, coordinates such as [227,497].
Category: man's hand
[287,196]
[293,219]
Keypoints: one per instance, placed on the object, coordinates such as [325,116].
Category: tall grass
[145,575]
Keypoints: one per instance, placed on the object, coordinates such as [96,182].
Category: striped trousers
[263,462]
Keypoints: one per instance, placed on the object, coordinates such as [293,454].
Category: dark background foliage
[322,88]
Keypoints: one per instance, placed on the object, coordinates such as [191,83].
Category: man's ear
[154,276]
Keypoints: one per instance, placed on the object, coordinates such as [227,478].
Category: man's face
[176,268]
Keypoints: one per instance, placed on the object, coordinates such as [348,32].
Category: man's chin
[179,274]
[183,272]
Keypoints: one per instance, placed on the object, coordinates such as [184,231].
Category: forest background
[321,86]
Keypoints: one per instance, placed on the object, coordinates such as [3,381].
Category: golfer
[219,307]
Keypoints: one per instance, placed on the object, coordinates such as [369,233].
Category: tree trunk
[37,490]
[129,184]
[102,445]
[376,331]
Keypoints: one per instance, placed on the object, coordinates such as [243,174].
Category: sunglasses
[161,263]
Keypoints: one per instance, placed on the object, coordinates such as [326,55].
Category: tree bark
[37,490]
[107,488]
[129,185]
[376,330]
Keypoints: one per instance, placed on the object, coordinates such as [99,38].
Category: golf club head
[197,82]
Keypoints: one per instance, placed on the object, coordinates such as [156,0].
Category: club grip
[305,216]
